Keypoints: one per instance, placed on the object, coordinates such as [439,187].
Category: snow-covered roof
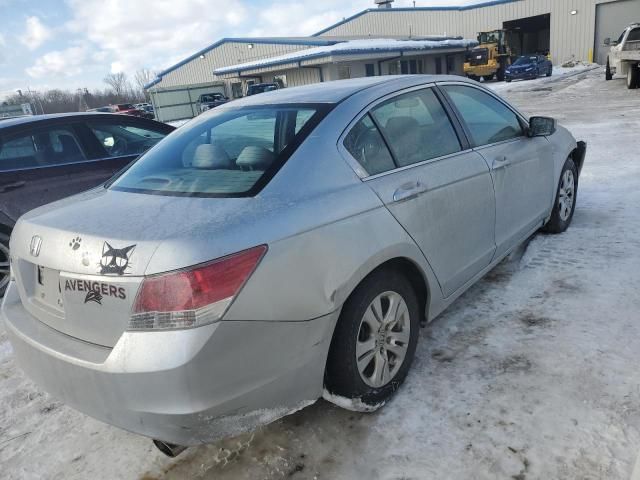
[354,47]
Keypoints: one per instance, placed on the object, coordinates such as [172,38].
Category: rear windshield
[230,152]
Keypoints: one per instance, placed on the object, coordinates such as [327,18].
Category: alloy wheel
[567,195]
[383,339]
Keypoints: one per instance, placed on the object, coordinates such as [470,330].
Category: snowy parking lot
[532,374]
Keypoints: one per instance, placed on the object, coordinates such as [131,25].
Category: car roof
[338,90]
[10,122]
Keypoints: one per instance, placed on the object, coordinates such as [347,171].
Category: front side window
[416,127]
[223,154]
[487,119]
[121,139]
[41,148]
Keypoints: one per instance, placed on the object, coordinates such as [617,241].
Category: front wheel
[607,71]
[4,262]
[374,341]
[565,202]
[550,72]
[632,77]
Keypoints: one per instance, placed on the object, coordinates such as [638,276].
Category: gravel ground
[532,374]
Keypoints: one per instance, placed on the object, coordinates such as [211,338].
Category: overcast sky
[75,43]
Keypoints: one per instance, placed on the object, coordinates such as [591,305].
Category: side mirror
[607,42]
[541,126]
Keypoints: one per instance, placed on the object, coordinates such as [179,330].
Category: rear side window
[416,127]
[488,120]
[121,139]
[230,152]
[366,145]
[40,148]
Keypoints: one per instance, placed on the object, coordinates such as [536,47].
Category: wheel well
[5,229]
[578,156]
[414,275]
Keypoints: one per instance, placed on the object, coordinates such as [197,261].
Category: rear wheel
[565,203]
[375,340]
[4,262]
[632,77]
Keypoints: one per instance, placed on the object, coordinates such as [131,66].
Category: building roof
[337,90]
[353,47]
[458,8]
[306,41]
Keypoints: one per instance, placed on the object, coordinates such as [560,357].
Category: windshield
[253,89]
[231,152]
[525,60]
[211,97]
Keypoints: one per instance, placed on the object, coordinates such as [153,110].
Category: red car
[126,109]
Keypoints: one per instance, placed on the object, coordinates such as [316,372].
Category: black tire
[342,376]
[4,262]
[632,77]
[488,78]
[607,71]
[556,223]
[508,80]
[550,71]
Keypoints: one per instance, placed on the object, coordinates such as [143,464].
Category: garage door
[611,20]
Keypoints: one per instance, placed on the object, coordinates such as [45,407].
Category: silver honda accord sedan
[277,249]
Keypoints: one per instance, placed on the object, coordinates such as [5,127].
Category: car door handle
[408,191]
[500,162]
[11,186]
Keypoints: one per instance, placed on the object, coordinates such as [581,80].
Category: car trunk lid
[79,264]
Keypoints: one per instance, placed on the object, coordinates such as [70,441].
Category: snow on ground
[559,74]
[532,374]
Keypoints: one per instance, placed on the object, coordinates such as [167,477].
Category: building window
[393,68]
[451,64]
[370,69]
[236,90]
[411,67]
[344,72]
[438,65]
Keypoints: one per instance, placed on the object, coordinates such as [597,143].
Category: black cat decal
[115,260]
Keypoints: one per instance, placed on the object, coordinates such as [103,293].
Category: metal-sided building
[566,29]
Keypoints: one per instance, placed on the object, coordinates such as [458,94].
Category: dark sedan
[48,157]
[529,67]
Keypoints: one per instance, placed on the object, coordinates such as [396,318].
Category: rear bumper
[185,387]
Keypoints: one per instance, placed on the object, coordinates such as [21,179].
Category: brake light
[195,296]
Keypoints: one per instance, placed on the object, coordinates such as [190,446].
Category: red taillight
[193,297]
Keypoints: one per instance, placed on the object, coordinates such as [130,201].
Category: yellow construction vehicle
[490,58]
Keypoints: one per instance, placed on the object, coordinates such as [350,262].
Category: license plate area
[47,290]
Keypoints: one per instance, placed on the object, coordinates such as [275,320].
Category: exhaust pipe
[169,449]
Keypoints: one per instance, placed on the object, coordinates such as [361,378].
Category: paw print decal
[75,243]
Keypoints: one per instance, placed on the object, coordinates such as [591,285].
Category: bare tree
[119,83]
[144,77]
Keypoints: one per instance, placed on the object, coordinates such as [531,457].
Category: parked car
[624,56]
[207,101]
[255,88]
[280,248]
[528,67]
[127,109]
[108,109]
[47,157]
